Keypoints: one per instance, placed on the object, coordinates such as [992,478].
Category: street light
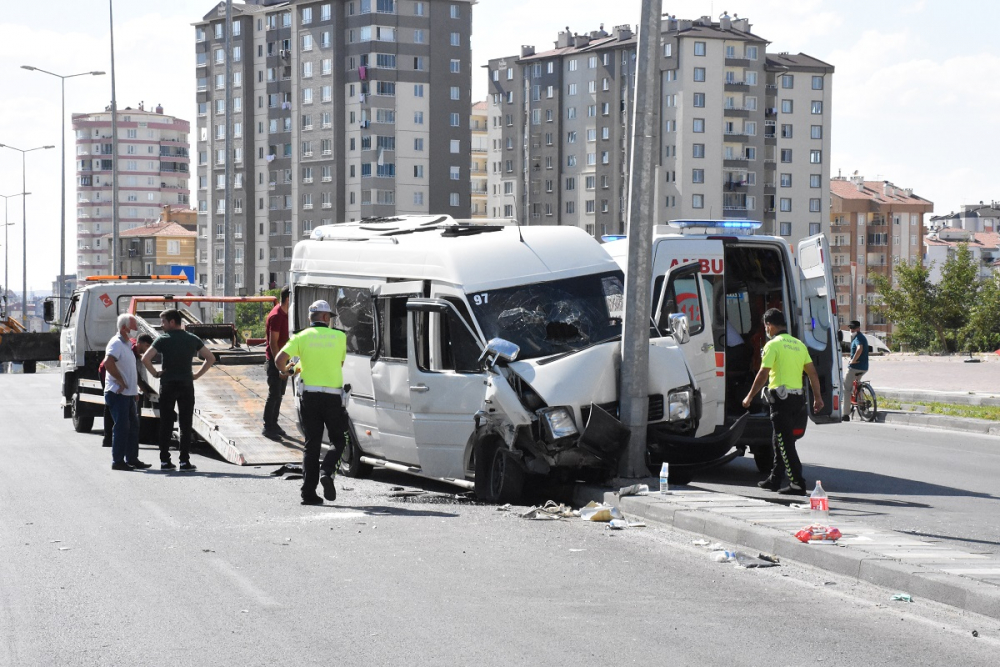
[62,219]
[24,235]
[6,241]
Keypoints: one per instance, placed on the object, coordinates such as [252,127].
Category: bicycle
[864,401]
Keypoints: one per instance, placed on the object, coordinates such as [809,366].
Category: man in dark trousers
[321,352]
[856,367]
[783,361]
[178,348]
[139,347]
[121,387]
[276,336]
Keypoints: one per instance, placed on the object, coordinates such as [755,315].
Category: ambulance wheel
[81,423]
[499,478]
[350,460]
[763,458]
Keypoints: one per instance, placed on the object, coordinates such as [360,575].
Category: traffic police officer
[783,360]
[321,352]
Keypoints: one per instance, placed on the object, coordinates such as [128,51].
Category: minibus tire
[499,478]
[81,423]
[763,458]
[350,461]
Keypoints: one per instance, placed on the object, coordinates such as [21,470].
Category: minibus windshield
[552,317]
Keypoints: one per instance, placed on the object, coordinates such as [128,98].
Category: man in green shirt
[783,361]
[178,348]
[321,352]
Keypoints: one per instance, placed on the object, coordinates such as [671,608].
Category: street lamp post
[24,232]
[62,221]
[6,240]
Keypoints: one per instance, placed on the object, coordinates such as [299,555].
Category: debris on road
[549,511]
[287,468]
[723,556]
[701,543]
[618,524]
[593,511]
[634,490]
[902,597]
[403,493]
[749,562]
[817,534]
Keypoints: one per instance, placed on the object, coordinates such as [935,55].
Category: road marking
[243,583]
[160,514]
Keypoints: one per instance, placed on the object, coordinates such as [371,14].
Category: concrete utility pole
[635,340]
[115,250]
[6,242]
[229,309]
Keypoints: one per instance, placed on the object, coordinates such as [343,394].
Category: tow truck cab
[724,278]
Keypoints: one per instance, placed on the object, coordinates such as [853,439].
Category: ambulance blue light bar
[606,238]
[745,225]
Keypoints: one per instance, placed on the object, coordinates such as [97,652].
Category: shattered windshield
[553,317]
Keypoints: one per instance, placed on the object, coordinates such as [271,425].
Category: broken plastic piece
[634,490]
[902,597]
[748,561]
[618,524]
[599,512]
[818,534]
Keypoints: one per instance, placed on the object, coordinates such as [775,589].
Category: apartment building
[155,249]
[874,225]
[478,125]
[333,107]
[153,171]
[741,133]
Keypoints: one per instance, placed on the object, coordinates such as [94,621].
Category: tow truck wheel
[81,423]
[763,458]
[350,460]
[499,478]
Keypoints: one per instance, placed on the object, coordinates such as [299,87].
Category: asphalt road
[927,482]
[224,567]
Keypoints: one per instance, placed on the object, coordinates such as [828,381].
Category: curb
[965,424]
[953,590]
[950,397]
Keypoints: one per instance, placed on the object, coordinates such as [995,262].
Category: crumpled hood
[579,379]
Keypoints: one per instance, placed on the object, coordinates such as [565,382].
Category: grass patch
[974,411]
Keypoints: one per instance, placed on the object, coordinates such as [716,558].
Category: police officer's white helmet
[320,306]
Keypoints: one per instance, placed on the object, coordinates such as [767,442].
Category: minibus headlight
[558,423]
[679,405]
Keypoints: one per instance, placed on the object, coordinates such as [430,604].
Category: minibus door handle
[419,388]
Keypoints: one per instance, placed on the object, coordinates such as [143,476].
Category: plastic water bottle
[665,478]
[819,505]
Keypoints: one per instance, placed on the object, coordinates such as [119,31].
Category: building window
[816,132]
[787,81]
[785,228]
[456,40]
[698,125]
[698,150]
[815,157]
[786,180]
[817,83]
[814,205]
[786,106]
[699,99]
[571,207]
[698,176]
[816,108]
[699,73]
[455,66]
[786,131]
[456,145]
[786,155]
[785,205]
[697,201]
[456,93]
[814,180]
[814,228]
[453,199]
[699,48]
[455,173]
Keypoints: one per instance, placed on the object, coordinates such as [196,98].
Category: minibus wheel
[350,460]
[499,478]
[81,423]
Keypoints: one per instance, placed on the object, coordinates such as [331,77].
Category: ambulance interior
[753,282]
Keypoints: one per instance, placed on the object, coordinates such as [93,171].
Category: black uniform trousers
[786,460]
[321,411]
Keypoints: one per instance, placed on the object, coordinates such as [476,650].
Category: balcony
[307,180]
[736,112]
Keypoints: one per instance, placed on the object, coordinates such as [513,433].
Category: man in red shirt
[276,335]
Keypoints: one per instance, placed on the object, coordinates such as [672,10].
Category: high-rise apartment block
[478,124]
[153,172]
[341,110]
[741,133]
[874,226]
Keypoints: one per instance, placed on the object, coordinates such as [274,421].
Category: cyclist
[856,367]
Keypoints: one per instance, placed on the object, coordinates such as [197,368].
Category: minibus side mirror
[49,311]
[498,348]
[679,328]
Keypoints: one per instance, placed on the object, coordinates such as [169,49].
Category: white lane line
[243,583]
[160,514]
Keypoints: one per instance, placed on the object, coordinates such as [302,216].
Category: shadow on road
[949,537]
[388,510]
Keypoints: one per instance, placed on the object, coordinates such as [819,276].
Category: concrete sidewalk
[896,561]
[963,424]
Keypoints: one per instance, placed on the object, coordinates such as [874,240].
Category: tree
[928,314]
[983,330]
[251,316]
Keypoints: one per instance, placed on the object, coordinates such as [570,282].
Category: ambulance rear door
[818,322]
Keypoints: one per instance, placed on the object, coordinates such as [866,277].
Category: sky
[914,98]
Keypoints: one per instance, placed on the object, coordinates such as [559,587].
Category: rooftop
[881,192]
[158,229]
